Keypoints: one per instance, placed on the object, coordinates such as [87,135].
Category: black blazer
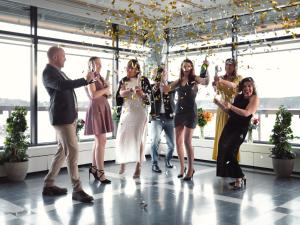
[168,101]
[62,109]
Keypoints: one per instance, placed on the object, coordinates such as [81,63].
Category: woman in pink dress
[98,119]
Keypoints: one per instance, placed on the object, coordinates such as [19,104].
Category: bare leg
[100,142]
[137,171]
[179,146]
[188,134]
[94,152]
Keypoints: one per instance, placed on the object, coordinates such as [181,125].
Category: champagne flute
[92,68]
[107,83]
[217,70]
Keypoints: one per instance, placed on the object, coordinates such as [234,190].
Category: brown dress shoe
[81,196]
[54,191]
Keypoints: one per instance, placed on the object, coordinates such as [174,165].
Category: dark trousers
[229,143]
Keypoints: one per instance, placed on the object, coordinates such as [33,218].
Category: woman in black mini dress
[186,113]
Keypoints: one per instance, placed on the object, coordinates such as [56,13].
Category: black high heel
[94,173]
[106,181]
[233,182]
[181,175]
[186,178]
[239,187]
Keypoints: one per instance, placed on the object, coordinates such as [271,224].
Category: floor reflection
[155,199]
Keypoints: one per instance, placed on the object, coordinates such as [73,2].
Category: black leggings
[229,143]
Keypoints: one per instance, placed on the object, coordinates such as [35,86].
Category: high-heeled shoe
[181,174]
[137,172]
[186,178]
[105,181]
[239,186]
[122,169]
[233,182]
[93,173]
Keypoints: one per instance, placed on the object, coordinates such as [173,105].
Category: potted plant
[281,153]
[79,125]
[203,118]
[116,113]
[15,145]
[252,126]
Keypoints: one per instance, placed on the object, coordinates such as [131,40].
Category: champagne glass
[107,83]
[92,68]
[217,70]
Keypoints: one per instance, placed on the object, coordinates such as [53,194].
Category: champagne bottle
[204,67]
[107,76]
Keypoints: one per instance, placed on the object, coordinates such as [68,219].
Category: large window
[75,67]
[69,27]
[205,94]
[14,17]
[273,67]
[14,79]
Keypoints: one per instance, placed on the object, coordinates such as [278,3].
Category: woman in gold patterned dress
[226,86]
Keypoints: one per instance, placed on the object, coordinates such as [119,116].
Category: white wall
[251,154]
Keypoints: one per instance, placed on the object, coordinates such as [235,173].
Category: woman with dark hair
[98,119]
[226,86]
[240,113]
[186,113]
[134,90]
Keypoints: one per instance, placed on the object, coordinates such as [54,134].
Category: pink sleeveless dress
[98,116]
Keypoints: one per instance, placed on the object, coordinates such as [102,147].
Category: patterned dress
[132,128]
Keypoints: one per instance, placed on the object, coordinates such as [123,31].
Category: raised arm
[219,81]
[170,87]
[201,80]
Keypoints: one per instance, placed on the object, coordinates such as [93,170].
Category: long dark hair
[243,81]
[133,63]
[192,75]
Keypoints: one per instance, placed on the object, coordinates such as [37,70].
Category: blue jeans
[157,126]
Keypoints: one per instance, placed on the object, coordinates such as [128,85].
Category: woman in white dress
[134,92]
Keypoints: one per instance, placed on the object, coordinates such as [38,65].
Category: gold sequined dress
[227,94]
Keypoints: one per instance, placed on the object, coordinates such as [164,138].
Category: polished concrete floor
[155,199]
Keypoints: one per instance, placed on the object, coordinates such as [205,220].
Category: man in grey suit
[63,115]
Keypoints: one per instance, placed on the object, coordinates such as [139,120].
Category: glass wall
[81,38]
[14,79]
[274,68]
[273,65]
[14,17]
[205,94]
[75,67]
